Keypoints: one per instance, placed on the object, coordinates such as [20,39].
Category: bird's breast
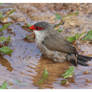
[39,37]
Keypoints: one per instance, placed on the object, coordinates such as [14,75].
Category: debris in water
[4,85]
[5,50]
[44,76]
[69,73]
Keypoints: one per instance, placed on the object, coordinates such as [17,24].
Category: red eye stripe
[32,27]
[35,28]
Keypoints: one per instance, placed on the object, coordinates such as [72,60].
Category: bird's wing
[58,43]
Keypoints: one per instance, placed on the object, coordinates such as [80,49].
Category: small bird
[54,46]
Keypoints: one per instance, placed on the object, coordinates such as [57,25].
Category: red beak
[32,27]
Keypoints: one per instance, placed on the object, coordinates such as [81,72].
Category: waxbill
[54,46]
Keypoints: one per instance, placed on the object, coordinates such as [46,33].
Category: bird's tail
[78,59]
[82,60]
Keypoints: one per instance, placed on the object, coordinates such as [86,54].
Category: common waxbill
[54,46]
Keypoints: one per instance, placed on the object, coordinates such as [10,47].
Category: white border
[46,90]
[46,1]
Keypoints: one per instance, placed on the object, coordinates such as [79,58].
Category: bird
[54,46]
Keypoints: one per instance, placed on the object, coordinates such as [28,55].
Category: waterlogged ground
[24,67]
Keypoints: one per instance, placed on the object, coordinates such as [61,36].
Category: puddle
[24,67]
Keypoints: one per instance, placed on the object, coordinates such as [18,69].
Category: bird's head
[40,26]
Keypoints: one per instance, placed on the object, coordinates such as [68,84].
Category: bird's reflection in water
[54,69]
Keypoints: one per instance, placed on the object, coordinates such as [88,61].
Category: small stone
[86,72]
[88,81]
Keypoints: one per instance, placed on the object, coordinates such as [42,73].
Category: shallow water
[24,67]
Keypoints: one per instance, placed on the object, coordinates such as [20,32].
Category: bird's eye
[38,28]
